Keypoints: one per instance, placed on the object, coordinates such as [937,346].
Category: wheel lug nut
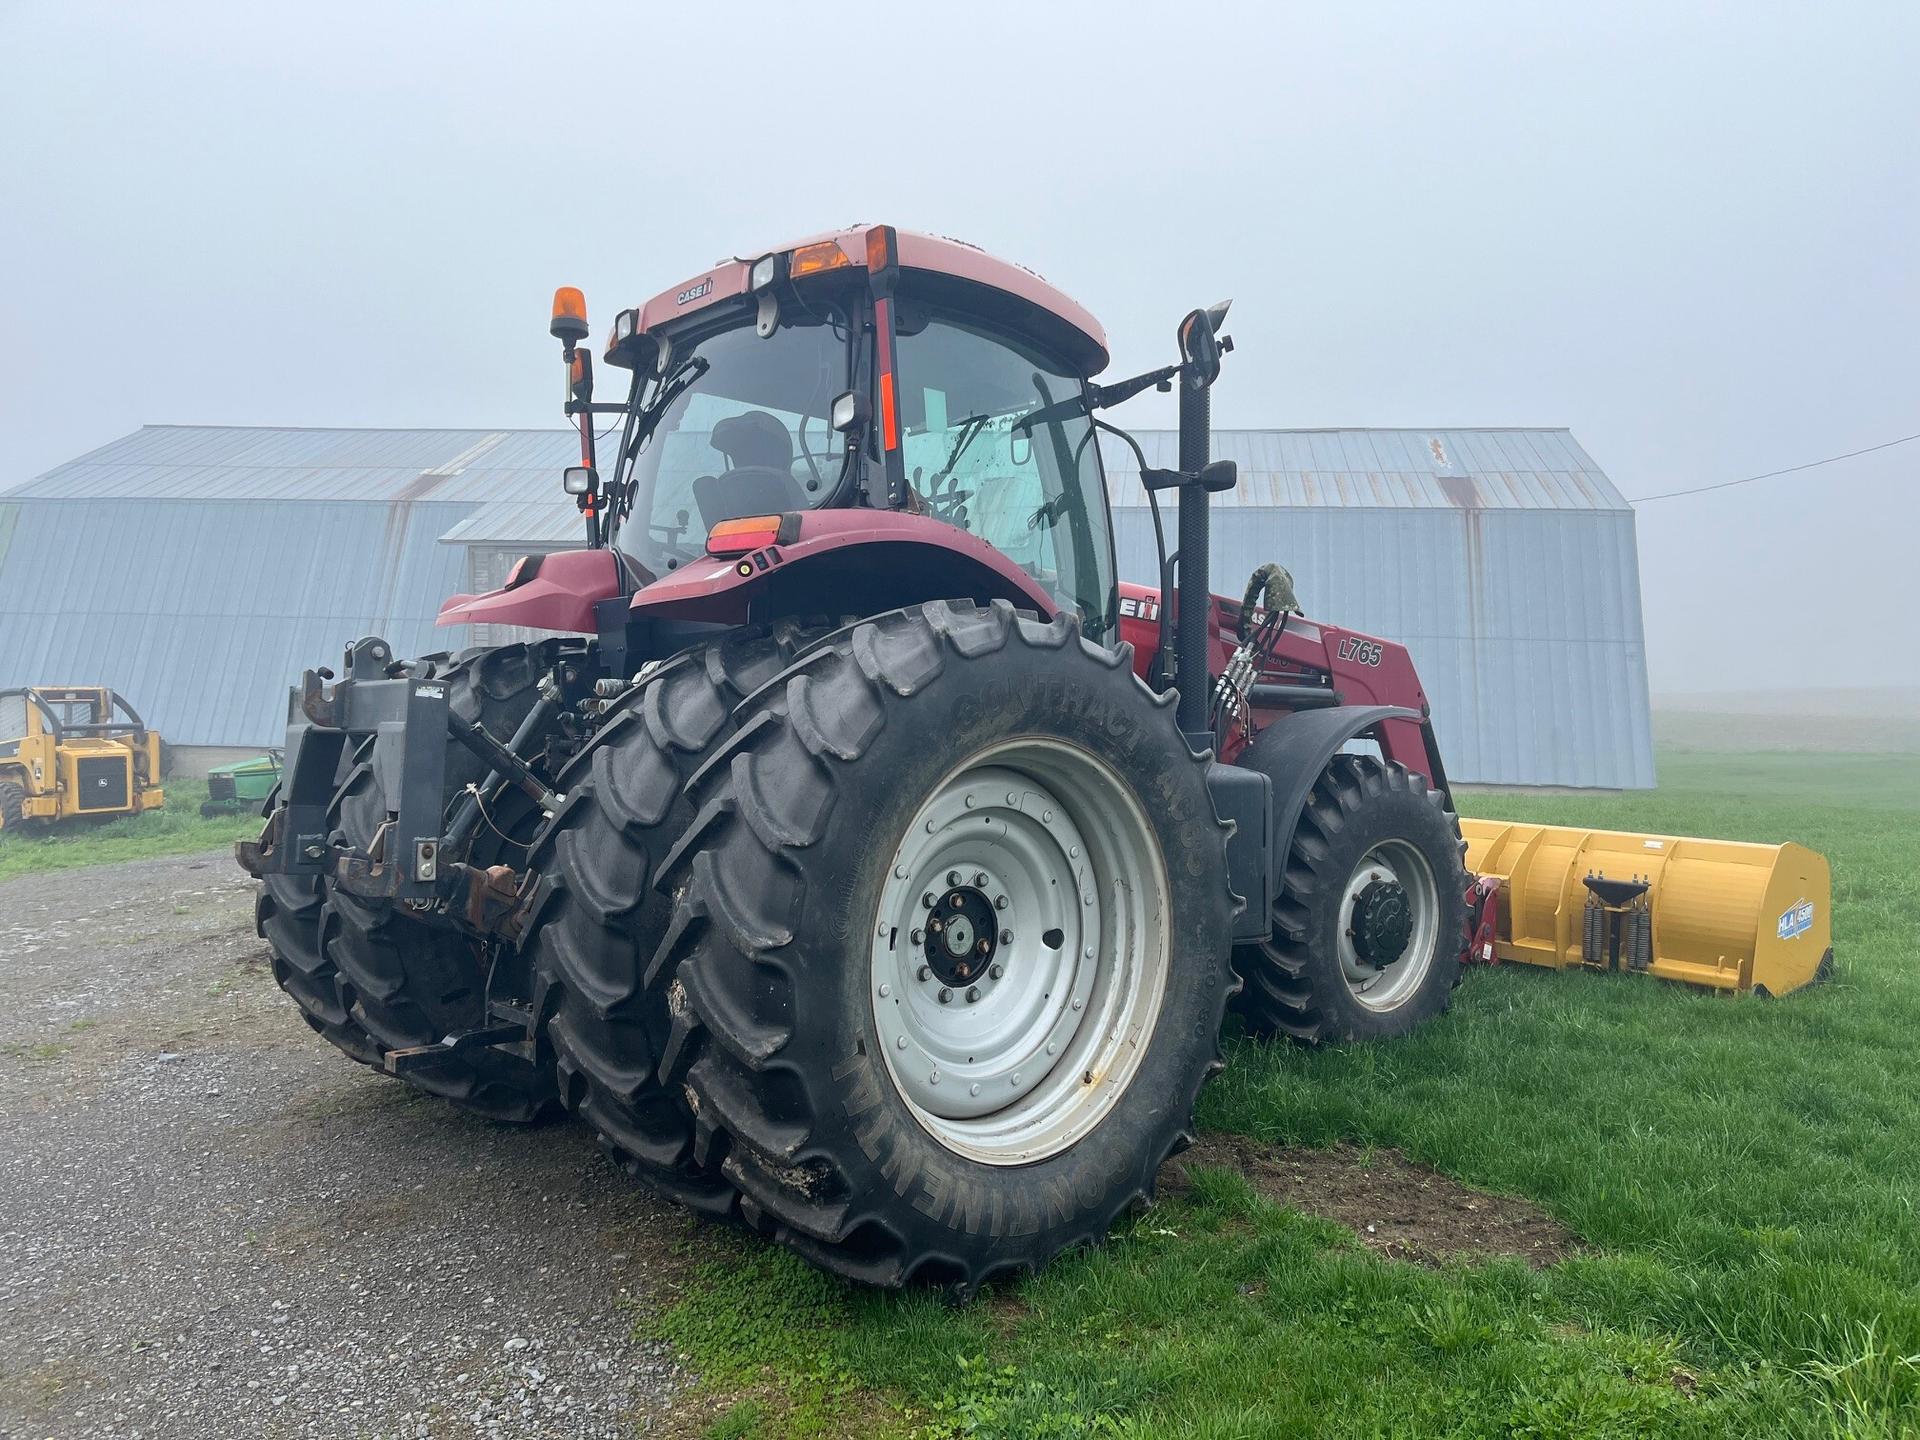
[926,972]
[979,877]
[1006,937]
[996,971]
[999,902]
[946,995]
[919,937]
[934,925]
[984,947]
[926,900]
[953,877]
[973,993]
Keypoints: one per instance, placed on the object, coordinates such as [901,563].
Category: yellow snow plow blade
[1718,913]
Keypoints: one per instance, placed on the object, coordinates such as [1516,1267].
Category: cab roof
[1026,298]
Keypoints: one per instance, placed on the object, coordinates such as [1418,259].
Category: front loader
[875,868]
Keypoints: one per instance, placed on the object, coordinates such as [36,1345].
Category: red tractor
[876,867]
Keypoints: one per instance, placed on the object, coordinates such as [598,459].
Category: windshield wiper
[670,390]
[970,429]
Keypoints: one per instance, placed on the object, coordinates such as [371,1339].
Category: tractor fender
[1293,752]
[547,592]
[843,562]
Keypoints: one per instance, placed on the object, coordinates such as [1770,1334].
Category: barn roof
[516,470]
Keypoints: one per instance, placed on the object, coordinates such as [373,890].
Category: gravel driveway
[213,1224]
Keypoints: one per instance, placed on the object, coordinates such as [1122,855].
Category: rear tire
[413,979]
[837,791]
[1368,826]
[601,917]
[286,914]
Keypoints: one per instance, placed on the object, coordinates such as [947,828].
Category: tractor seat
[759,478]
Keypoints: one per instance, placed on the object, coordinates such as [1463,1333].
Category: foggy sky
[1688,232]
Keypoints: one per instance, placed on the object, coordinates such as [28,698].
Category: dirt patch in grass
[1399,1208]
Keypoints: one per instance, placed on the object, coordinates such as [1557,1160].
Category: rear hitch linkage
[414,856]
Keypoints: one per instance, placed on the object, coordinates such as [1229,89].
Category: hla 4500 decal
[1361,652]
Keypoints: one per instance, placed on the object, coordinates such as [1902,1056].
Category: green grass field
[1743,1175]
[176,829]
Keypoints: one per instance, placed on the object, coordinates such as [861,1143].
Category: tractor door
[1037,495]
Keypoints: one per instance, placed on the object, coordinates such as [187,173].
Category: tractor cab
[872,370]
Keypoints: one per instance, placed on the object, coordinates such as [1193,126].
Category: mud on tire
[601,916]
[1298,982]
[804,817]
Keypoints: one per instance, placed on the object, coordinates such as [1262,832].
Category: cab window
[1034,492]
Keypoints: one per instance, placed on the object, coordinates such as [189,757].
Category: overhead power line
[1749,479]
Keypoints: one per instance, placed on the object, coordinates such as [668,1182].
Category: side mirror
[579,480]
[1200,347]
[850,413]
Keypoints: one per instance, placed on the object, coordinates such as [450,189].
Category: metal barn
[217,562]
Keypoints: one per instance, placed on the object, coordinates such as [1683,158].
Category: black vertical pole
[1196,599]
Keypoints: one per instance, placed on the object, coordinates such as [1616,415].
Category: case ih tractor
[874,867]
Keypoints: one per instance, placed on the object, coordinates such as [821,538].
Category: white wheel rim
[1388,986]
[1047,839]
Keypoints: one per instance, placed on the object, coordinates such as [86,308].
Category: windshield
[745,434]
[1034,494]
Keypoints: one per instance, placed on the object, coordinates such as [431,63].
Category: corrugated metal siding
[1524,625]
[1504,559]
[1368,469]
[203,612]
[534,523]
[1506,469]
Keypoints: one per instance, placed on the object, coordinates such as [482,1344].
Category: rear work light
[753,532]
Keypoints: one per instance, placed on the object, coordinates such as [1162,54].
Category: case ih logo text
[1361,652]
[694,292]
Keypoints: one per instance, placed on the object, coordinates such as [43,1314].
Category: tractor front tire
[950,949]
[1371,917]
[13,807]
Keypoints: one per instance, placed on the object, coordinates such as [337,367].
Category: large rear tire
[286,914]
[413,979]
[855,1120]
[602,917]
[1371,918]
